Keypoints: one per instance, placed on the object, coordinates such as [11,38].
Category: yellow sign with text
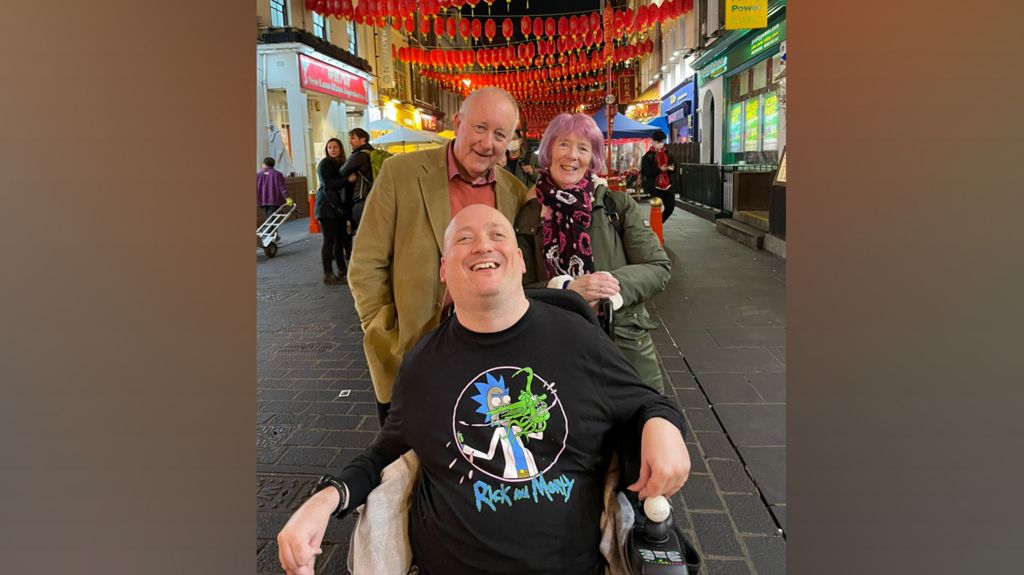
[745,14]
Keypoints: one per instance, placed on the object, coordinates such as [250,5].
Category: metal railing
[700,184]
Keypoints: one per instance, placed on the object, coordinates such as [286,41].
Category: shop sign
[429,122]
[771,122]
[320,77]
[676,98]
[743,14]
[385,64]
[627,88]
[736,128]
[713,70]
[758,44]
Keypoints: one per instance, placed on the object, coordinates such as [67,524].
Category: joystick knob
[659,519]
[657,508]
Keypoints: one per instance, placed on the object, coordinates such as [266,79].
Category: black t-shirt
[510,429]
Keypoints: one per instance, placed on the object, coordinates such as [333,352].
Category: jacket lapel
[506,202]
[434,191]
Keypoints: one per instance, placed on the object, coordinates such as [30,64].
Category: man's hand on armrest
[299,542]
[664,461]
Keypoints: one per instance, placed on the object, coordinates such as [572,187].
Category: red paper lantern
[525,26]
[451,27]
[550,27]
[439,26]
[538,27]
[410,25]
[490,29]
[475,29]
[574,25]
[563,26]
[424,25]
[507,28]
[464,30]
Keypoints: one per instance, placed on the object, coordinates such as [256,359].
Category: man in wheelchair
[513,407]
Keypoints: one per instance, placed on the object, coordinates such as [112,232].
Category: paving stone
[701,420]
[263,417]
[298,419]
[286,406]
[317,395]
[724,388]
[306,373]
[681,379]
[731,476]
[700,494]
[304,384]
[272,394]
[697,463]
[778,353]
[724,567]
[363,409]
[674,363]
[767,465]
[344,457]
[350,373]
[716,445]
[350,438]
[732,360]
[750,514]
[306,437]
[338,422]
[369,424]
[307,456]
[336,407]
[779,511]
[692,398]
[754,424]
[272,436]
[269,456]
[688,340]
[770,386]
[768,554]
[715,535]
[749,336]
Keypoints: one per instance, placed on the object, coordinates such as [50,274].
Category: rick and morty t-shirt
[511,430]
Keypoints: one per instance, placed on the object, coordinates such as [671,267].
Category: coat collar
[433,181]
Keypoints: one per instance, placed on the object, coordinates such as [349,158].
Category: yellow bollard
[656,219]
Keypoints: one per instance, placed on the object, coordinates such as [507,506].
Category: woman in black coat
[329,209]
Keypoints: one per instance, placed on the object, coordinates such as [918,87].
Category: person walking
[329,209]
[271,191]
[654,168]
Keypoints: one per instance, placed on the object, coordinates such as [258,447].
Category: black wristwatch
[327,480]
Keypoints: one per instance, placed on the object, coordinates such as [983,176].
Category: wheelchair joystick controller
[655,546]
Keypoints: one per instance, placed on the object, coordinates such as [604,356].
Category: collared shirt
[462,192]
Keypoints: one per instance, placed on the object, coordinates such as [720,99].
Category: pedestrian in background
[329,208]
[577,234]
[655,167]
[358,172]
[271,191]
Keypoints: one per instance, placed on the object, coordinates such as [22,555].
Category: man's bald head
[476,214]
[482,262]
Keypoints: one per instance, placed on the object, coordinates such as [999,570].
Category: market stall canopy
[384,125]
[407,139]
[659,122]
[622,127]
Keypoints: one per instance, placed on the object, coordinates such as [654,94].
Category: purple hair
[576,124]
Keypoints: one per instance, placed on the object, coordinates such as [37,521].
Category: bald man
[509,405]
[393,272]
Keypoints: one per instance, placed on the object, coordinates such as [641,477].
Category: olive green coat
[636,259]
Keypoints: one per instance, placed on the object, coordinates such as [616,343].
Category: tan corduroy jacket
[395,269]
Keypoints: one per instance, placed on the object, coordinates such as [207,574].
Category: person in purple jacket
[271,191]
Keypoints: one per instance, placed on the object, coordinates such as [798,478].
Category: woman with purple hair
[576,234]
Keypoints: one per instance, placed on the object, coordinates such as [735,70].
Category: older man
[538,381]
[394,268]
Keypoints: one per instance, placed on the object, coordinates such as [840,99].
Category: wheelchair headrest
[565,299]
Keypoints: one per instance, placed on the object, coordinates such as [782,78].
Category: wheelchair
[637,538]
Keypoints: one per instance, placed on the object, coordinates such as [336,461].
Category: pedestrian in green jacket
[576,234]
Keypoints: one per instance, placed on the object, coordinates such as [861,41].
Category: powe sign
[326,79]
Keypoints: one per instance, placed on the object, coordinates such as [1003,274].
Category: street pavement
[721,344]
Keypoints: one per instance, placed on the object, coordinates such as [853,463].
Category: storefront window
[744,84]
[760,76]
[278,13]
[752,125]
[736,128]
[770,121]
